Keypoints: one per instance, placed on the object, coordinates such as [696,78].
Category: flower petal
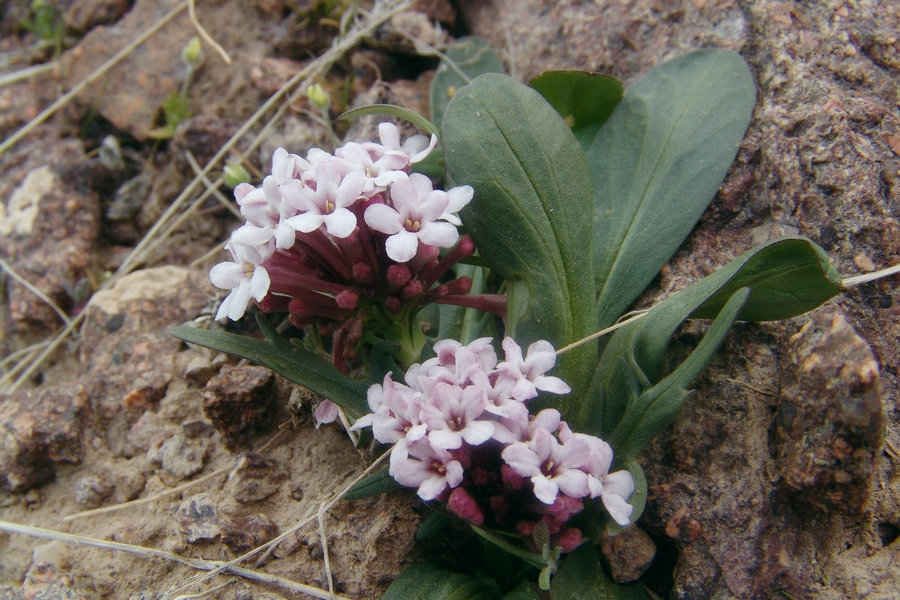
[402,246]
[383,218]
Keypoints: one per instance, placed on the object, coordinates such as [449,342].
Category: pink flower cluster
[463,435]
[339,239]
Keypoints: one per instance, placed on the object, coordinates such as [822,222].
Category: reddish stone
[38,430]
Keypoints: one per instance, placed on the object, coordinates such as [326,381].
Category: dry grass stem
[22,74]
[172,491]
[34,290]
[65,98]
[194,563]
[296,527]
[861,279]
[212,186]
[204,35]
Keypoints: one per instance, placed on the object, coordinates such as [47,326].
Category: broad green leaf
[427,581]
[792,270]
[787,277]
[582,577]
[658,406]
[467,58]
[292,363]
[391,110]
[378,482]
[532,192]
[584,99]
[523,591]
[657,162]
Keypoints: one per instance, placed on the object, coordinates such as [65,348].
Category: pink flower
[419,465]
[395,413]
[522,377]
[452,416]
[413,218]
[552,467]
[326,412]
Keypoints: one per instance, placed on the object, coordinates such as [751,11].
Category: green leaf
[582,577]
[378,482]
[787,277]
[584,99]
[523,591]
[391,110]
[467,58]
[793,270]
[516,550]
[658,406]
[427,581]
[657,162]
[292,363]
[532,192]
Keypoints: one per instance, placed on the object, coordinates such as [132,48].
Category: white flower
[245,277]
[413,218]
[328,203]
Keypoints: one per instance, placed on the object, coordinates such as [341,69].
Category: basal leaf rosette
[463,436]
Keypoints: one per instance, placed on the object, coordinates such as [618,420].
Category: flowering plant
[574,193]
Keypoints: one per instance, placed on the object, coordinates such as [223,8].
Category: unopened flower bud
[464,506]
[235,174]
[192,54]
[318,97]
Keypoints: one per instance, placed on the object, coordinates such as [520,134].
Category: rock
[628,554]
[48,227]
[129,351]
[47,582]
[83,15]
[238,402]
[253,478]
[198,518]
[245,533]
[11,592]
[185,453]
[92,490]
[53,553]
[131,94]
[830,421]
[39,430]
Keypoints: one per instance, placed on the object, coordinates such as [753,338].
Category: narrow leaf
[658,406]
[391,110]
[532,192]
[378,482]
[657,162]
[634,357]
[467,58]
[531,558]
[295,364]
